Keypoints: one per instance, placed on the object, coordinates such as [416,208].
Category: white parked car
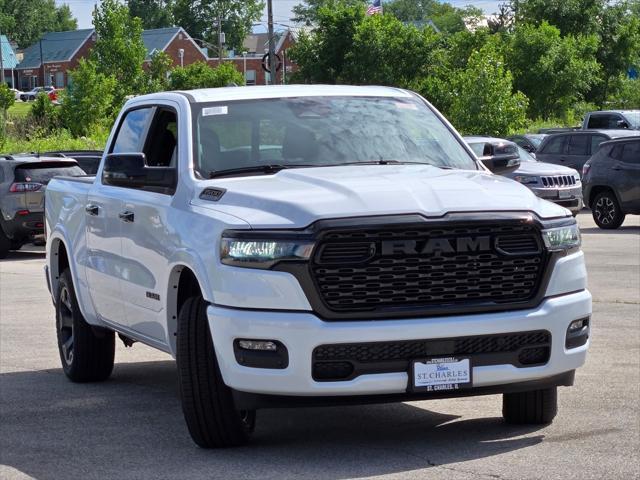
[16,93]
[369,257]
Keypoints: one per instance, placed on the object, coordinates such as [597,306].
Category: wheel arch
[596,189]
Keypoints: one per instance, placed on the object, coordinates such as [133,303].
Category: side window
[161,147]
[578,145]
[132,131]
[631,153]
[596,140]
[597,121]
[555,145]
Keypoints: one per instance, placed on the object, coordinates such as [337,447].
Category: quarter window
[555,145]
[631,153]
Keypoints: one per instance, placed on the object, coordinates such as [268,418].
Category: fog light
[262,345]
[576,325]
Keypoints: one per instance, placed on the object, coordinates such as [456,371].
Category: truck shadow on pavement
[132,427]
[18,255]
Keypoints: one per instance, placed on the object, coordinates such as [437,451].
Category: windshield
[525,156]
[45,172]
[322,131]
[633,118]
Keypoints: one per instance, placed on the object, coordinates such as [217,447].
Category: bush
[44,113]
[7,99]
[201,75]
[87,105]
[59,140]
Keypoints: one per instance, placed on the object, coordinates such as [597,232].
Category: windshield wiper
[266,169]
[390,162]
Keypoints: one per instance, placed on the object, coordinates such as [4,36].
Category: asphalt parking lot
[132,427]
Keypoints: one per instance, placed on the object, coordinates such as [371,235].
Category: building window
[250,77]
[59,80]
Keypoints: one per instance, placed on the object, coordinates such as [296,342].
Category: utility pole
[272,43]
[42,64]
[2,64]
[219,40]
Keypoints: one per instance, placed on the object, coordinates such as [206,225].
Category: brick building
[176,43]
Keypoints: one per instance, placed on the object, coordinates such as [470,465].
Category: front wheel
[86,353]
[606,211]
[207,403]
[537,407]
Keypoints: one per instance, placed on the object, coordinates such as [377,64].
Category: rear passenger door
[578,149]
[627,176]
[553,150]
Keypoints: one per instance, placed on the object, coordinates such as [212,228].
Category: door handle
[92,210]
[126,216]
[616,168]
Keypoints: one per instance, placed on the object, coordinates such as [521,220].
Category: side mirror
[502,164]
[622,124]
[130,170]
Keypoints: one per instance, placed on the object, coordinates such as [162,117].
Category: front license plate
[565,194]
[440,374]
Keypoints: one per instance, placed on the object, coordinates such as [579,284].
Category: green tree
[386,51]
[307,11]
[445,16]
[25,21]
[158,73]
[88,101]
[7,99]
[119,50]
[554,72]
[201,75]
[200,19]
[321,54]
[483,102]
[44,113]
[153,13]
[571,17]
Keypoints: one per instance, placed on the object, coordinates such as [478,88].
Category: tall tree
[119,51]
[200,19]
[576,17]
[153,13]
[445,16]
[553,71]
[25,21]
[307,11]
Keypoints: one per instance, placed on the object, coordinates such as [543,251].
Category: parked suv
[573,149]
[612,182]
[22,183]
[555,183]
[612,119]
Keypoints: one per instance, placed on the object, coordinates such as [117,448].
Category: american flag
[375,7]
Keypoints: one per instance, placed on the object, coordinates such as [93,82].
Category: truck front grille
[558,181]
[345,361]
[428,266]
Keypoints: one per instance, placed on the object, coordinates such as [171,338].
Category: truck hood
[296,198]
[541,168]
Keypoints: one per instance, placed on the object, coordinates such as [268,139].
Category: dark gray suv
[573,149]
[23,179]
[611,180]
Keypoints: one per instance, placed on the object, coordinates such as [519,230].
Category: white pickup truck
[314,245]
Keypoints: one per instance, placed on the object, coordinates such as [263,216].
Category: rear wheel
[5,244]
[606,211]
[86,353]
[537,407]
[207,403]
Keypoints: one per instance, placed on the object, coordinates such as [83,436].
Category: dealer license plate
[440,374]
[565,194]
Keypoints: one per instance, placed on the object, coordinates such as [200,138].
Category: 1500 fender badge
[212,194]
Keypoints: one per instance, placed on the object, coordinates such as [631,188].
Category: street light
[181,55]
[244,69]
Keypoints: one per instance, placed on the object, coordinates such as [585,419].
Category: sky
[281,9]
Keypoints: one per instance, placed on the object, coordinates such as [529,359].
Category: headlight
[526,180]
[262,253]
[561,238]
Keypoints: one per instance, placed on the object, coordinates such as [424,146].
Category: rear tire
[207,403]
[606,211]
[86,353]
[537,407]
[5,244]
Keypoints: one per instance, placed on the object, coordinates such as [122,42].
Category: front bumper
[301,332]
[569,197]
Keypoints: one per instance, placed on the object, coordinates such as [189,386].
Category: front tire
[86,353]
[207,403]
[606,211]
[537,407]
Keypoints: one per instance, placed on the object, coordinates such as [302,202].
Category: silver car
[555,183]
[23,179]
